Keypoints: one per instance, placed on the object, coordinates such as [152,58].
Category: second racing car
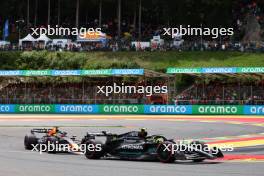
[52,140]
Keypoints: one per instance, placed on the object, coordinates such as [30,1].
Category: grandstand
[203,86]
[41,87]
[222,86]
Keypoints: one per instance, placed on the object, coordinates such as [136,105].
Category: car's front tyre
[164,155]
[92,152]
[30,141]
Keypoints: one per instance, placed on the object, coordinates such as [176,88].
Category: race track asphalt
[15,161]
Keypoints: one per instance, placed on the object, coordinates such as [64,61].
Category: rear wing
[40,130]
[102,134]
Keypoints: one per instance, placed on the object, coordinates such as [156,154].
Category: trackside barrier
[217,110]
[71,72]
[76,109]
[131,109]
[121,109]
[34,108]
[254,110]
[225,70]
[167,109]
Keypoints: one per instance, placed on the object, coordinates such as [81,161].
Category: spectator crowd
[217,93]
[241,10]
[213,93]
[86,92]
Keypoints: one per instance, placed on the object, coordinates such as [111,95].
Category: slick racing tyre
[92,152]
[30,141]
[164,155]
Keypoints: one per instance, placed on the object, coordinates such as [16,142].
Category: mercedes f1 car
[51,141]
[136,145]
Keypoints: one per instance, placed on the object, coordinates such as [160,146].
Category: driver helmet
[53,131]
[143,133]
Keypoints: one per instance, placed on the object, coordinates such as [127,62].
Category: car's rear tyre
[30,141]
[164,155]
[92,151]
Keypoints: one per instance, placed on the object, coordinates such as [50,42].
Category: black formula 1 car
[135,146]
[51,140]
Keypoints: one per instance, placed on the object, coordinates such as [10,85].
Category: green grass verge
[158,61]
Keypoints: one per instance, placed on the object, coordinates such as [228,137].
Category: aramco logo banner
[131,109]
